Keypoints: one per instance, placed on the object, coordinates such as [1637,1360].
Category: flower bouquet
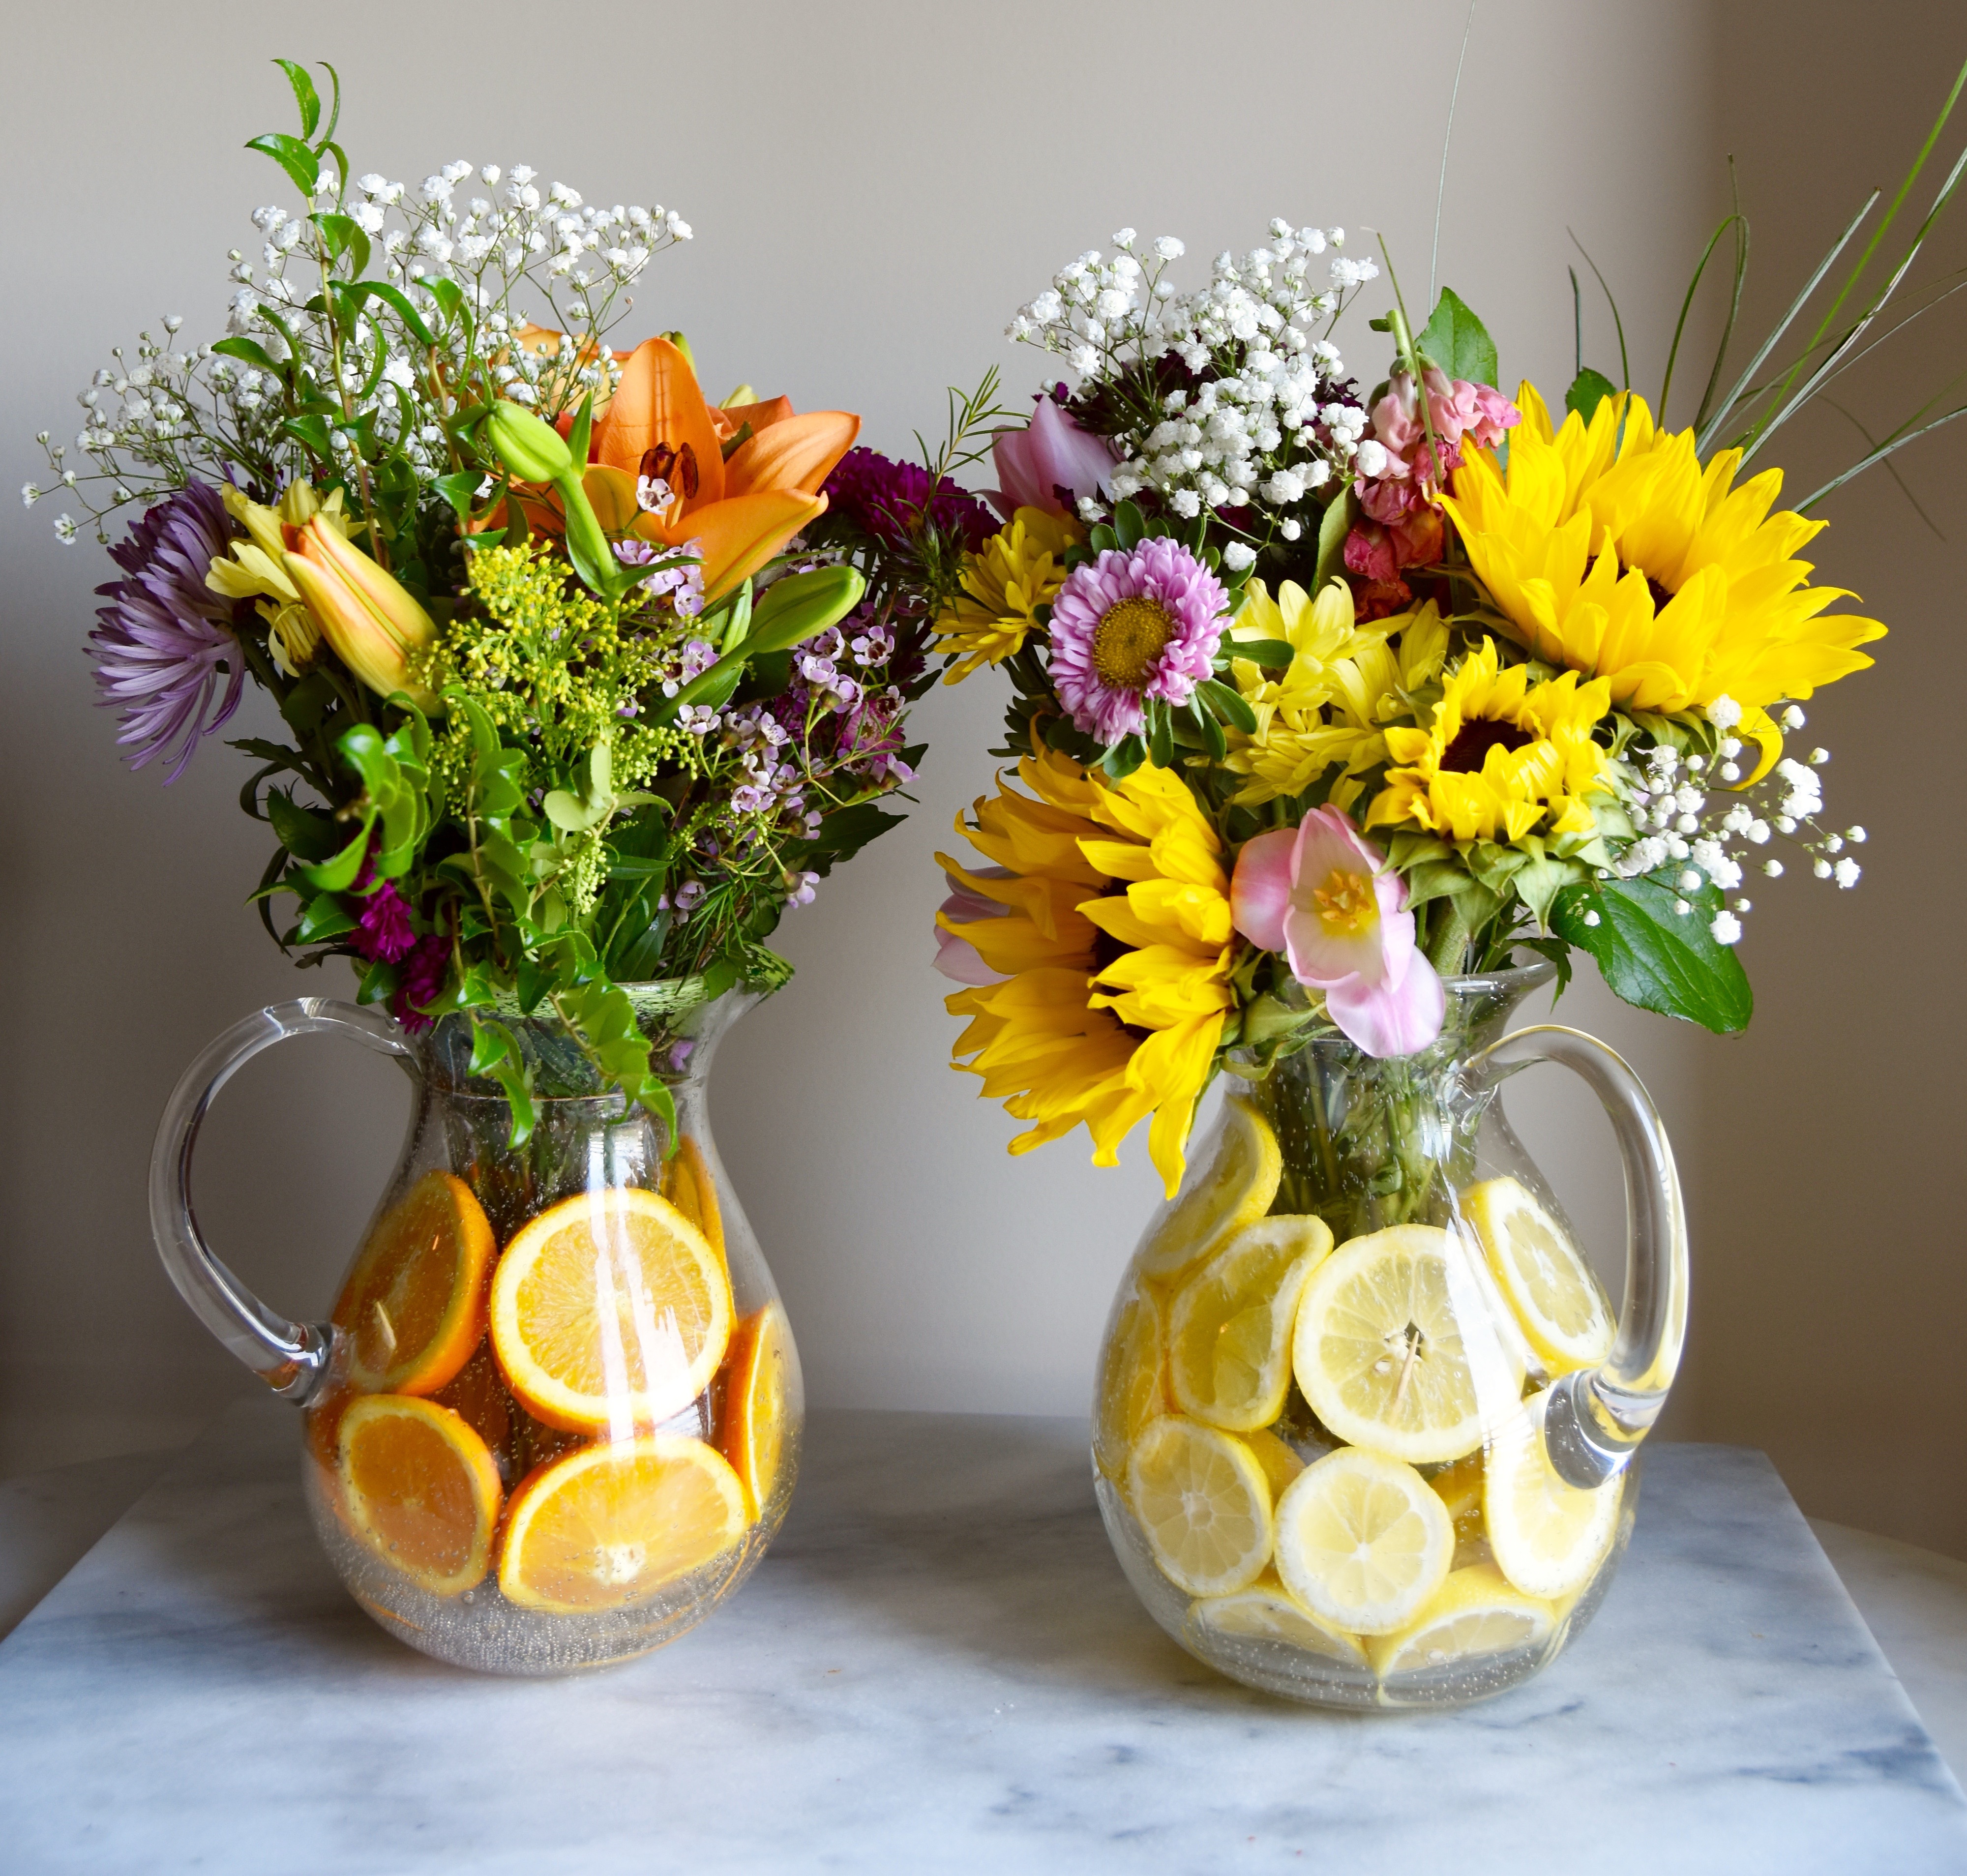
[1341,718]
[579,680]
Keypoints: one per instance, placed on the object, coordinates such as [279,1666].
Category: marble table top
[939,1668]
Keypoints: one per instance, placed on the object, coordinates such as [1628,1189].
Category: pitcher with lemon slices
[1365,1418]
[553,1417]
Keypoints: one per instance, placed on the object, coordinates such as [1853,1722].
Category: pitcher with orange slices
[1365,1420]
[553,1416]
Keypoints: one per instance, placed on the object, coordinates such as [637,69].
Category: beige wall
[874,188]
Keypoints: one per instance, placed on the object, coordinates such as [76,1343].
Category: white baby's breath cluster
[491,241]
[1717,840]
[1269,424]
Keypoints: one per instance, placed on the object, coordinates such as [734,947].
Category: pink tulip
[1050,465]
[956,957]
[1324,896]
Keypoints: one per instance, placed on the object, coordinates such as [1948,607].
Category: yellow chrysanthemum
[1616,553]
[1016,571]
[1342,687]
[1501,755]
[1115,949]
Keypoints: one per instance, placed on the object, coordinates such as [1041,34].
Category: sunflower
[1114,950]
[1016,571]
[1610,549]
[1501,754]
[1332,705]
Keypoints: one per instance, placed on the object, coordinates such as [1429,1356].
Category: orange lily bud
[369,619]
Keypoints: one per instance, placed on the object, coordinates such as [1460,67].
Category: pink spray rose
[1050,465]
[1399,479]
[1324,896]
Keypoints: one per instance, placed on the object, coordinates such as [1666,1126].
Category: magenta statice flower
[165,639]
[384,930]
[885,498]
[1134,624]
[420,980]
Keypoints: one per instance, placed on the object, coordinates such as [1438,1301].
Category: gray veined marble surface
[939,1668]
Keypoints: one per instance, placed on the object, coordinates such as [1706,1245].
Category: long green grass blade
[1769,425]
[1769,344]
[1885,227]
[1686,305]
[1891,468]
[1891,445]
[1618,324]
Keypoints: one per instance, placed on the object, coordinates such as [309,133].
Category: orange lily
[742,512]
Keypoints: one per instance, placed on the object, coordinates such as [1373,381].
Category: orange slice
[413,1307]
[688,1185]
[613,1525]
[476,1393]
[610,1311]
[421,1490]
[756,1384]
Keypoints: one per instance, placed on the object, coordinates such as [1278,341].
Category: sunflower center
[1474,741]
[1128,640]
[1347,904]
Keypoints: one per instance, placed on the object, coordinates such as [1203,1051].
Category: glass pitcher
[1365,1422]
[555,1416]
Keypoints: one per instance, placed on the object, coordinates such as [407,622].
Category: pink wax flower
[1134,624]
[956,957]
[1324,896]
[1050,465]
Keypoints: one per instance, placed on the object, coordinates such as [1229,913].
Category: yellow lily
[371,621]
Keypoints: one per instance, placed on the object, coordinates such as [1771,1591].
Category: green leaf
[1458,342]
[1588,390]
[1124,757]
[802,606]
[459,489]
[846,831]
[1228,705]
[312,431]
[1340,514]
[247,353]
[1272,654]
[398,302]
[448,295]
[577,437]
[294,156]
[305,94]
[343,237]
[307,835]
[1653,957]
[337,875]
[322,918]
[1128,526]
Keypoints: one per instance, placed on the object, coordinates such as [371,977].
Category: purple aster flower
[885,498]
[1131,625]
[162,643]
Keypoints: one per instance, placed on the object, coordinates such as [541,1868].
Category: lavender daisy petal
[165,639]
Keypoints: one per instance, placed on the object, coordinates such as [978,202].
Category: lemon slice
[1395,1350]
[1230,1328]
[1475,1613]
[1362,1542]
[1549,1536]
[1459,1487]
[1265,1612]
[1280,1465]
[1237,1188]
[1204,1504]
[1548,1285]
[1130,1389]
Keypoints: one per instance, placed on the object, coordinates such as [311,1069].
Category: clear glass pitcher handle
[289,1356]
[1596,1416]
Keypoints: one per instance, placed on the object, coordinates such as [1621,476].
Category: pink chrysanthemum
[1130,625]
